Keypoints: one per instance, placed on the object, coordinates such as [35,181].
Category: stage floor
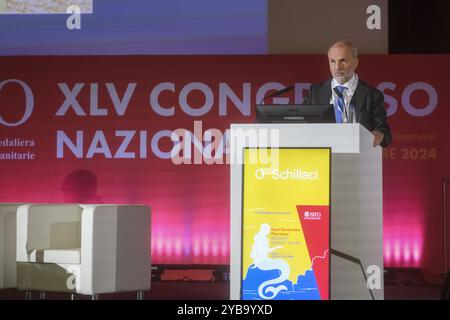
[209,290]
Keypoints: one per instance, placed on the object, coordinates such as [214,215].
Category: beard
[341,77]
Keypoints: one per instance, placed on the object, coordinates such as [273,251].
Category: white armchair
[8,276]
[85,249]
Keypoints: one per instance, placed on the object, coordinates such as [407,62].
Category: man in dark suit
[353,99]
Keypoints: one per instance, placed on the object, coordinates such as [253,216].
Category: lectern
[356,260]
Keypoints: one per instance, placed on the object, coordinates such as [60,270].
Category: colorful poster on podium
[286,224]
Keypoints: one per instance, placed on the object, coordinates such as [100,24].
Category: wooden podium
[356,201]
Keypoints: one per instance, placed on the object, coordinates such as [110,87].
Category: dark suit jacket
[368,103]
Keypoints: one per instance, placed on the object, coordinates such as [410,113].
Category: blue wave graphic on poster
[305,289]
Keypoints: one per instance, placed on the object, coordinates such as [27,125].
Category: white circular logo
[259,174]
[29,102]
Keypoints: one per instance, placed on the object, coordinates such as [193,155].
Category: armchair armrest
[115,248]
[47,226]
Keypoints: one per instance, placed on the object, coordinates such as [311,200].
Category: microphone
[344,112]
[338,93]
[277,93]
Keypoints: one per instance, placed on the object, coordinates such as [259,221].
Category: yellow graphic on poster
[286,222]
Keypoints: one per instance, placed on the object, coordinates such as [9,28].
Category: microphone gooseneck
[277,93]
[338,93]
[345,115]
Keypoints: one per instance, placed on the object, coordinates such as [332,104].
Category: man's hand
[378,137]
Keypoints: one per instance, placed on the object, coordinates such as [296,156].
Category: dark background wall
[419,26]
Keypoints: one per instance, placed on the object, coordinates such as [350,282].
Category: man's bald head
[345,44]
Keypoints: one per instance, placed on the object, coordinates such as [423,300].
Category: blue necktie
[340,104]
